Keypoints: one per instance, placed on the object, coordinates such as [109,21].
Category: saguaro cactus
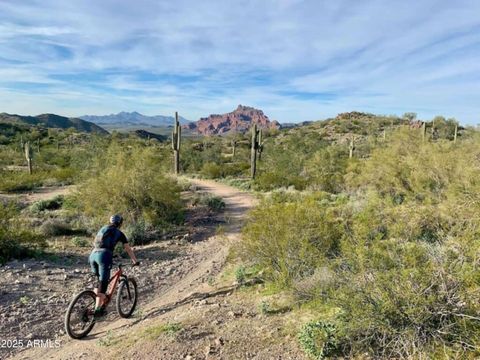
[424,130]
[28,156]
[455,134]
[260,144]
[234,147]
[256,143]
[176,140]
[351,147]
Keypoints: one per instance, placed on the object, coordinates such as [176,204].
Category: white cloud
[208,56]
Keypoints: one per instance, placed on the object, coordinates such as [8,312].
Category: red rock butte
[241,119]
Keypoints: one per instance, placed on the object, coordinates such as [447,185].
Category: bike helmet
[116,220]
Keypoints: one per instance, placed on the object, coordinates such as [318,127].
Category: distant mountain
[295,125]
[241,119]
[52,121]
[133,118]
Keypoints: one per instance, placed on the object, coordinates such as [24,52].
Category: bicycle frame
[112,284]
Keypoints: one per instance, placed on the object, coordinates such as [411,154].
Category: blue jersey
[108,236]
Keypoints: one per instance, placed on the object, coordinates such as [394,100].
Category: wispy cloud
[297,60]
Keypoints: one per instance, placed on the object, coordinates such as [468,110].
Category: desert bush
[395,259]
[13,181]
[212,171]
[214,203]
[55,227]
[289,240]
[137,233]
[326,169]
[16,181]
[16,240]
[131,181]
[52,204]
[80,241]
[267,181]
[318,339]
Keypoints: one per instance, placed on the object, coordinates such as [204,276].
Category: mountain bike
[80,320]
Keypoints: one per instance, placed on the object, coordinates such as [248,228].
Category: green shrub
[54,227]
[52,204]
[318,339]
[137,233]
[16,240]
[240,275]
[289,240]
[132,182]
[212,170]
[214,203]
[15,181]
[80,241]
[271,180]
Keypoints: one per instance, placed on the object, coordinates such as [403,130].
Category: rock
[234,314]
[219,341]
[65,277]
[77,271]
[209,349]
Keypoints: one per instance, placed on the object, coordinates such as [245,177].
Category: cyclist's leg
[95,265]
[105,265]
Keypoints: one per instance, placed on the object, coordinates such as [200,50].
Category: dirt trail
[186,276]
[44,193]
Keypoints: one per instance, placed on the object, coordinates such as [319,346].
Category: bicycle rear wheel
[127,297]
[79,319]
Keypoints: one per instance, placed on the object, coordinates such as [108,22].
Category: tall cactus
[176,141]
[260,144]
[351,147]
[28,156]
[455,134]
[256,143]
[234,148]
[424,130]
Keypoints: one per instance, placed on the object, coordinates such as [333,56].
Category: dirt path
[173,279]
[43,193]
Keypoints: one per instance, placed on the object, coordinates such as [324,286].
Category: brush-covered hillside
[368,226]
[50,121]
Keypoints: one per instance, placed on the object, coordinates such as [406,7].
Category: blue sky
[296,60]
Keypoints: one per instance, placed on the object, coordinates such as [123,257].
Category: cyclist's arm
[130,253]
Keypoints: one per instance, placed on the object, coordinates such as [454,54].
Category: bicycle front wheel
[79,319]
[127,297]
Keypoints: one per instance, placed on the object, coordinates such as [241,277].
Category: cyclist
[101,257]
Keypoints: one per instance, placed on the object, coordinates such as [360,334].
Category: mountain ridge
[53,121]
[133,118]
